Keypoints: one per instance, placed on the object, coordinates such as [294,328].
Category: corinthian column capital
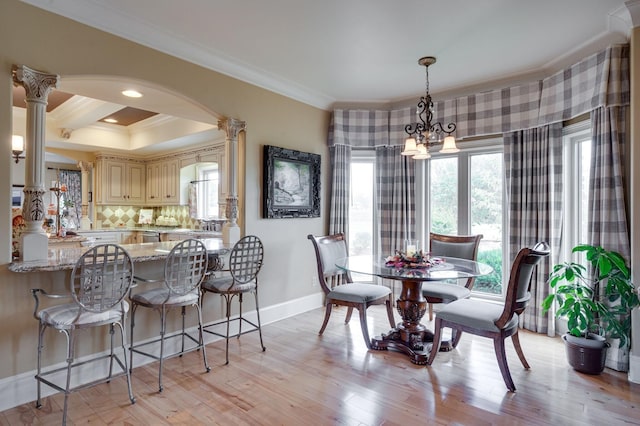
[37,84]
[231,127]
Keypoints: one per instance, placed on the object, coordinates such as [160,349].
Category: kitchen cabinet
[120,181]
[163,182]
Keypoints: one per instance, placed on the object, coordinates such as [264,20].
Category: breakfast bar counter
[60,259]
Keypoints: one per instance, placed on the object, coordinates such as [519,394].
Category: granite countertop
[65,258]
[67,239]
[159,229]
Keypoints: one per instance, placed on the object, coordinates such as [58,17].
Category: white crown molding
[110,20]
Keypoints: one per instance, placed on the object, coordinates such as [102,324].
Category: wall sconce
[17,146]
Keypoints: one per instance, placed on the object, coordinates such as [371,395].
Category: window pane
[361,208]
[584,156]
[443,195]
[485,190]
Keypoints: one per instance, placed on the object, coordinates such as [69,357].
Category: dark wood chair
[460,246]
[340,289]
[491,320]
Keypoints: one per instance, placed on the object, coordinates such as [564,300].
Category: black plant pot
[586,355]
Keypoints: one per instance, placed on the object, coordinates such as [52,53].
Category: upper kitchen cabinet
[120,181]
[163,182]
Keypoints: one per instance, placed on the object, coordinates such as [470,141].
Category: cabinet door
[171,182]
[114,183]
[135,183]
[154,184]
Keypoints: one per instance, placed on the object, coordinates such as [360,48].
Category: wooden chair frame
[515,302]
[331,276]
[455,239]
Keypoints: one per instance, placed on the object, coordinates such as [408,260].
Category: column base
[230,233]
[34,247]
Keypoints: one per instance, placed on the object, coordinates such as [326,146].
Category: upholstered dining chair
[245,261]
[100,281]
[487,319]
[176,286]
[339,288]
[460,246]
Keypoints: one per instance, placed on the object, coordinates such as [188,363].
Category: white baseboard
[20,389]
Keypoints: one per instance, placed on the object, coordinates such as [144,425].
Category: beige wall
[49,43]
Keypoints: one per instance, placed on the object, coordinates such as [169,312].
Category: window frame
[572,136]
[490,145]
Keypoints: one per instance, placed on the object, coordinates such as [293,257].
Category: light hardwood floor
[306,379]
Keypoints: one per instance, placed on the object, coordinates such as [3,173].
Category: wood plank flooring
[306,379]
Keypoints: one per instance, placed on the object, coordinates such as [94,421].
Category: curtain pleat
[533,168]
[607,213]
[340,189]
[395,184]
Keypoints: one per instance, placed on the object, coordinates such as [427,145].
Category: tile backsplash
[127,216]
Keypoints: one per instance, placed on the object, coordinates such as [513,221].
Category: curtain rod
[202,180]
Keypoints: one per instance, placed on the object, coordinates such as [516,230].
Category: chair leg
[430,312]
[183,313]
[228,299]
[516,343]
[70,354]
[111,354]
[239,315]
[498,344]
[327,314]
[41,329]
[124,359]
[455,337]
[437,337]
[201,338]
[392,319]
[163,320]
[259,324]
[362,312]
[348,317]
[131,324]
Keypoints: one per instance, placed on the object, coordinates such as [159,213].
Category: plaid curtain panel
[533,167]
[601,79]
[359,128]
[340,189]
[607,213]
[395,184]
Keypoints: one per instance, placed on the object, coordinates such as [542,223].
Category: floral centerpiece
[417,259]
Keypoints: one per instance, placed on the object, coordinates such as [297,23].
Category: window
[208,182]
[577,154]
[466,197]
[362,207]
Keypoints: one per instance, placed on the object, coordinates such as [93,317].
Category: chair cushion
[476,314]
[224,285]
[64,316]
[359,293]
[445,291]
[159,296]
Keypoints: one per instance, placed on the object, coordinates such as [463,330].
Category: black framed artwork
[291,183]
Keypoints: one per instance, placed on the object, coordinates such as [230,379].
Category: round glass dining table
[411,336]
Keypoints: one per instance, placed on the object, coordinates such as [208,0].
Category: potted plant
[596,300]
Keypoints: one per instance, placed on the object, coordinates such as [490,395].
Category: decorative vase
[586,354]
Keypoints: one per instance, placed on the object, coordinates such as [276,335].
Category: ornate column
[37,86]
[231,230]
[85,168]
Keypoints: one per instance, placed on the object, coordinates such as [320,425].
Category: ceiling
[332,52]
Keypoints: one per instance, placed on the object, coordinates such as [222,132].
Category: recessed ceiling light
[110,120]
[132,93]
